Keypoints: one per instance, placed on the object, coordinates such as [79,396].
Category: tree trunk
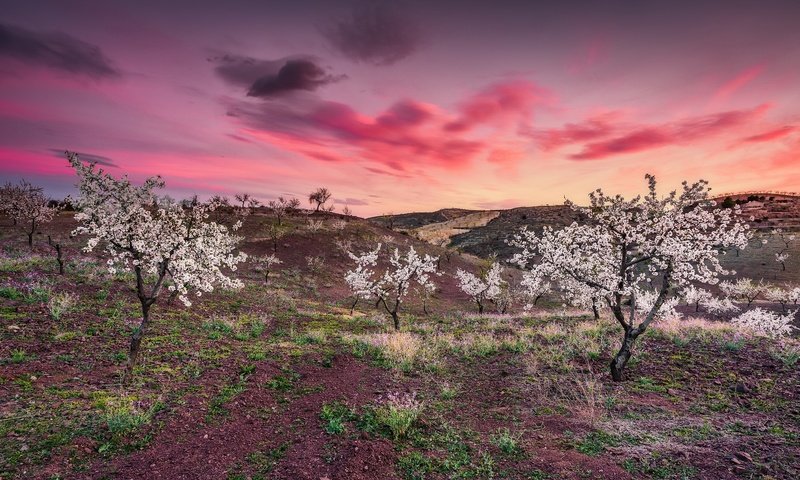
[396,320]
[353,307]
[136,340]
[59,258]
[480,307]
[595,311]
[621,359]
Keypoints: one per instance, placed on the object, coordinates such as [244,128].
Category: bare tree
[275,232]
[319,197]
[283,207]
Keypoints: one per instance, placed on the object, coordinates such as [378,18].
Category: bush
[506,442]
[59,304]
[398,412]
[334,416]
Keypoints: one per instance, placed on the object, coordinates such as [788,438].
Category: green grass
[335,416]
[507,442]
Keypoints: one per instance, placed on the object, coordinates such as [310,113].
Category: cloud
[86,157]
[373,34]
[334,132]
[407,137]
[771,135]
[499,103]
[58,51]
[736,83]
[592,129]
[647,137]
[270,78]
[351,201]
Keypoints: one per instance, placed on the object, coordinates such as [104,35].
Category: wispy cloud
[57,51]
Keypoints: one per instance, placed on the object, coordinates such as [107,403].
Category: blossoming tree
[391,287]
[766,323]
[32,209]
[786,239]
[666,243]
[162,243]
[744,289]
[486,287]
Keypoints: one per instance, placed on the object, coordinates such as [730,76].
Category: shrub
[398,412]
[334,416]
[507,442]
[59,304]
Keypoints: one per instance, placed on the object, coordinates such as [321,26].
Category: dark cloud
[243,71]
[55,50]
[373,34]
[294,75]
[86,157]
[268,78]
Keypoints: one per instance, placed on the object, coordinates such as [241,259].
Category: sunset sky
[405,105]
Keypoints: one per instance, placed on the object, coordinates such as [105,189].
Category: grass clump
[398,412]
[334,417]
[59,304]
[507,442]
[596,443]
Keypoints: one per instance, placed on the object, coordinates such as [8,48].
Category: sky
[404,105]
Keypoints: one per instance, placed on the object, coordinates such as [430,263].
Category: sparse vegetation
[278,379]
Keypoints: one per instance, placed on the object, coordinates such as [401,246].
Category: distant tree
[765,323]
[283,207]
[162,243]
[785,240]
[390,288]
[30,208]
[484,288]
[744,289]
[275,232]
[626,245]
[221,200]
[247,201]
[389,217]
[319,197]
[9,195]
[728,203]
[264,264]
[347,212]
[779,294]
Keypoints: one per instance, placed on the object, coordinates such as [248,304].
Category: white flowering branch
[667,242]
[161,242]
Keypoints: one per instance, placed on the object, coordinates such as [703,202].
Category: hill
[466,234]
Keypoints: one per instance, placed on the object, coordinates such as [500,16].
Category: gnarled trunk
[621,358]
[136,340]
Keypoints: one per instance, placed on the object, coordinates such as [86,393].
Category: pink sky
[411,106]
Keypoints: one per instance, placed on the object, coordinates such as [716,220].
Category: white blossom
[158,239]
[392,286]
[667,242]
[744,289]
[766,323]
[27,206]
[487,287]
